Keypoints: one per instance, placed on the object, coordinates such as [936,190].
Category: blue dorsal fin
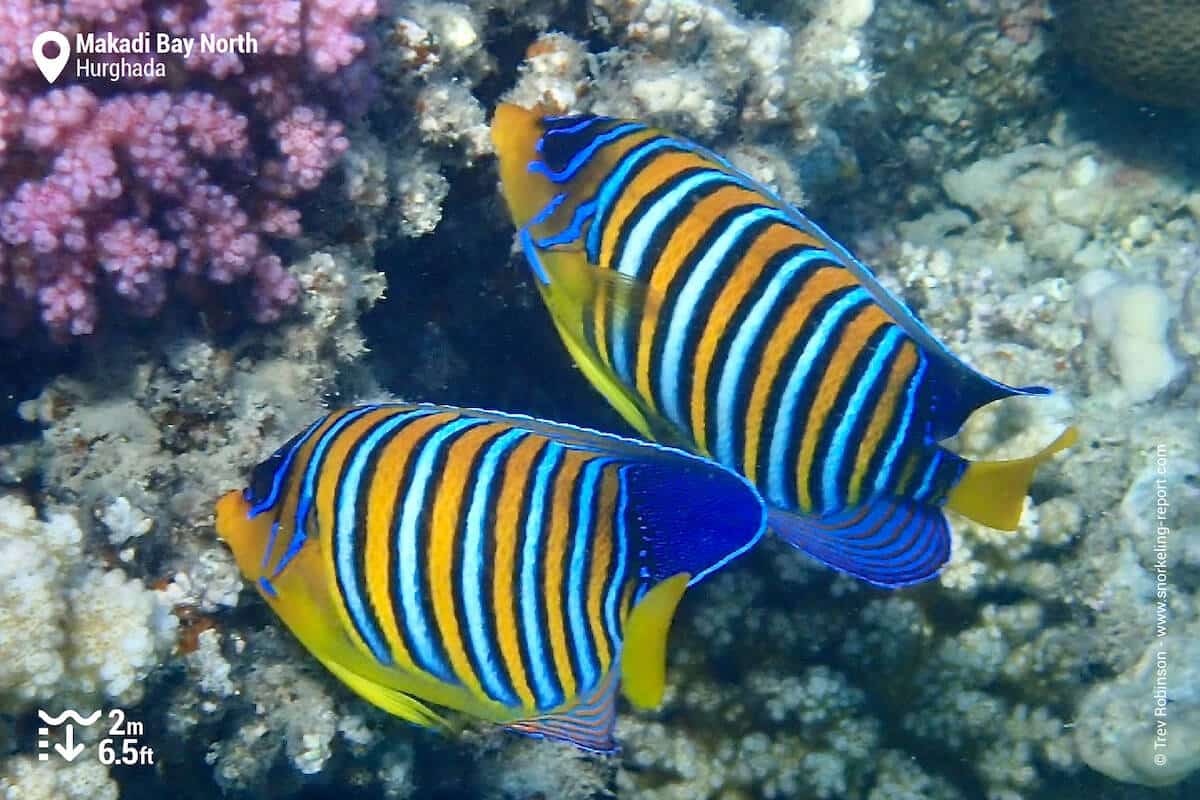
[890,541]
[958,390]
[691,516]
[588,724]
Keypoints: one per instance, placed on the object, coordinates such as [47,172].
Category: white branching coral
[67,631]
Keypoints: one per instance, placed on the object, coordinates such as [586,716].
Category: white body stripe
[632,256]
[587,497]
[613,601]
[839,447]
[407,555]
[883,479]
[747,334]
[473,589]
[782,431]
[532,554]
[689,297]
[344,535]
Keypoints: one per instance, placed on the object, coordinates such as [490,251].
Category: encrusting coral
[1037,253]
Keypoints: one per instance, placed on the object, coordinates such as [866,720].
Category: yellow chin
[246,537]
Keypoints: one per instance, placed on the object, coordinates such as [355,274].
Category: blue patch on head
[266,586]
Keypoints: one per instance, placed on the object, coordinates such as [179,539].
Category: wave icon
[68,714]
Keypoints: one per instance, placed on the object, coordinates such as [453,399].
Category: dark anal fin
[890,542]
[588,724]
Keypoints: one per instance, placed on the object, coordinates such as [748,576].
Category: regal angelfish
[718,318]
[512,569]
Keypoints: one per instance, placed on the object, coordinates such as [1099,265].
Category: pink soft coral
[122,190]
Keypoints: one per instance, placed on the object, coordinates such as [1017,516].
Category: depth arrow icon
[71,750]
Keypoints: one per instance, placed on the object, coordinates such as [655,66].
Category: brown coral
[1146,49]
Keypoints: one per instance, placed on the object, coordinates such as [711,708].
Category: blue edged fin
[588,724]
[890,542]
[692,516]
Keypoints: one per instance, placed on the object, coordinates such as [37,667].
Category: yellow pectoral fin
[574,295]
[993,492]
[644,653]
[390,700]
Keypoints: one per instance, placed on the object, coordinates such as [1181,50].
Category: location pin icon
[51,67]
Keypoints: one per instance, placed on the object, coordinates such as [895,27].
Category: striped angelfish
[717,318]
[512,569]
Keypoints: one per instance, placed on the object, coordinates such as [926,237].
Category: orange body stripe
[601,564]
[509,527]
[381,523]
[649,179]
[733,294]
[626,600]
[665,270]
[291,493]
[325,497]
[852,339]
[556,548]
[446,527]
[819,284]
[886,407]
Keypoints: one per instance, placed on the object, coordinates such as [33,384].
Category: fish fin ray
[393,701]
[588,723]
[993,493]
[574,287]
[644,651]
[889,541]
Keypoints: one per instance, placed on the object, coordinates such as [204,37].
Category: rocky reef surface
[953,146]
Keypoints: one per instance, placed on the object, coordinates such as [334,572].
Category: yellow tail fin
[644,653]
[993,492]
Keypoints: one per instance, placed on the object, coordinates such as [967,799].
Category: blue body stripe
[474,553]
[747,334]
[266,559]
[884,479]
[277,479]
[779,489]
[544,688]
[614,183]
[689,297]
[922,492]
[576,128]
[344,540]
[839,446]
[576,582]
[570,233]
[415,622]
[613,600]
[535,261]
[583,156]
[635,247]
[299,536]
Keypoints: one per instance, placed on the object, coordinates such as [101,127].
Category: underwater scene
[584,399]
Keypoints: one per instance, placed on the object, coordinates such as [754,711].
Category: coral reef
[1146,50]
[927,135]
[131,193]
